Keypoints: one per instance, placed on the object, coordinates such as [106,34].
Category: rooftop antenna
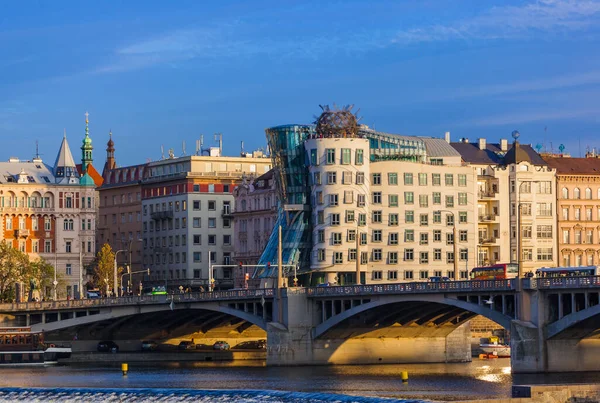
[183,148]
[219,138]
[162,152]
[37,150]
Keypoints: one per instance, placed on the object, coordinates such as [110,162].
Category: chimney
[503,145]
[481,144]
[447,137]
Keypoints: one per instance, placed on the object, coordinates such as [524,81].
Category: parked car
[437,279]
[149,345]
[221,345]
[93,295]
[108,347]
[186,345]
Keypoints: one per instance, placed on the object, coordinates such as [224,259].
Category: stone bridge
[554,323]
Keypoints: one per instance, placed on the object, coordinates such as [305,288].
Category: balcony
[487,194]
[161,215]
[487,217]
[21,233]
[227,212]
[487,241]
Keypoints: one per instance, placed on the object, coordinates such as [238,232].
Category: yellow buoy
[404,375]
[124,368]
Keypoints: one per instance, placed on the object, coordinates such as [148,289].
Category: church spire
[86,148]
[64,166]
[110,154]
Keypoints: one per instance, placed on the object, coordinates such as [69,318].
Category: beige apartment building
[516,189]
[578,197]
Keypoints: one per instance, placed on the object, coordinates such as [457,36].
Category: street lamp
[116,285]
[454,243]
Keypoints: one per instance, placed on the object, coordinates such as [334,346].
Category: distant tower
[86,148]
[64,166]
[110,154]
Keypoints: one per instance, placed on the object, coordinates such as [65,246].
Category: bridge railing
[415,288]
[567,282]
[139,300]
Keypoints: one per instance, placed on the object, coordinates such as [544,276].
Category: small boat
[53,354]
[493,346]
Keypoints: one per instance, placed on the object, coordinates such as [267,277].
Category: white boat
[53,354]
[499,350]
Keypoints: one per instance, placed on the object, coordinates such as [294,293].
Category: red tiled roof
[96,177]
[574,166]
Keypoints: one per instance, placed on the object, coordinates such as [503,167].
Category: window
[333,200]
[424,219]
[409,235]
[346,156]
[377,216]
[449,201]
[319,197]
[437,217]
[408,179]
[392,178]
[544,254]
[462,180]
[331,178]
[321,236]
[376,236]
[321,255]
[320,217]
[347,178]
[449,238]
[348,196]
[409,216]
[544,209]
[360,178]
[313,156]
[352,255]
[377,255]
[464,254]
[423,201]
[409,254]
[424,257]
[393,274]
[197,239]
[450,257]
[588,214]
[437,254]
[576,193]
[197,257]
[335,218]
[408,275]
[424,238]
[68,269]
[393,238]
[437,235]
[526,231]
[196,222]
[338,257]
[423,274]
[195,204]
[577,214]
[566,236]
[422,179]
[68,246]
[565,193]
[393,219]
[349,216]
[212,205]
[376,197]
[376,179]
[545,187]
[212,239]
[449,179]
[436,179]
[351,235]
[463,235]
[462,217]
[317,178]
[393,200]
[47,224]
[449,220]
[409,198]
[359,160]
[377,275]
[361,200]
[212,222]
[589,236]
[330,154]
[544,231]
[462,199]
[336,238]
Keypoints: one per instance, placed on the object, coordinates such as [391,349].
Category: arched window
[565,193]
[576,193]
[68,225]
[588,193]
[243,205]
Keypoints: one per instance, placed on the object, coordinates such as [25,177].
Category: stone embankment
[574,393]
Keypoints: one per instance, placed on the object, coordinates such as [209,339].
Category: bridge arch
[463,306]
[571,320]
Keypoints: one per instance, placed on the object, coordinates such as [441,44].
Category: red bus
[498,271]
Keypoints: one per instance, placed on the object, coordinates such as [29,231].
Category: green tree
[104,268]
[13,268]
[40,275]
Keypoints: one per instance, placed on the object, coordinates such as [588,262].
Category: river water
[253,382]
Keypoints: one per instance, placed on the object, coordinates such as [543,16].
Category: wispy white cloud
[548,16]
[238,39]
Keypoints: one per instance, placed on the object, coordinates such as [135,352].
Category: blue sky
[160,73]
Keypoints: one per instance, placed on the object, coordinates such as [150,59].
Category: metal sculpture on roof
[337,122]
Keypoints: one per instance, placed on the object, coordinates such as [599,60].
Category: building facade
[50,212]
[516,203]
[254,216]
[187,217]
[368,202]
[120,213]
[578,199]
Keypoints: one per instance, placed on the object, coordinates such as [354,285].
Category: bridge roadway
[554,323]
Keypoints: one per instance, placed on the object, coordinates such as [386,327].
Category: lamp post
[116,285]
[454,243]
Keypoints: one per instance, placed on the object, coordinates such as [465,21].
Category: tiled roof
[37,172]
[574,166]
[93,173]
[493,154]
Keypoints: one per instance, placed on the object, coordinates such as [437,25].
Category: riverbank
[165,356]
